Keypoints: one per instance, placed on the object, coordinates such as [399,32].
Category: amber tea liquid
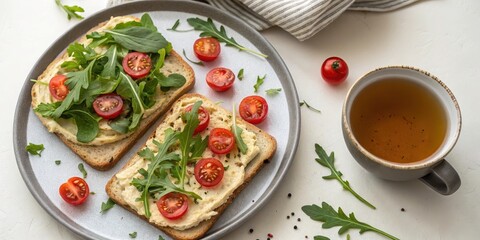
[398,120]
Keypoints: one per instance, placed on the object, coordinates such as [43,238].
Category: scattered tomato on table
[334,70]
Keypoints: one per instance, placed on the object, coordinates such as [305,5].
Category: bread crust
[269,146]
[105,156]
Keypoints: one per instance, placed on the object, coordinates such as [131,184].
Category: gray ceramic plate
[43,176]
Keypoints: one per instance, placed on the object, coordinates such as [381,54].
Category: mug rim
[421,164]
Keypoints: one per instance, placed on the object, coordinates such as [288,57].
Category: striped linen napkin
[301,18]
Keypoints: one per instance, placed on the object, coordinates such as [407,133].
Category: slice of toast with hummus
[108,145]
[202,213]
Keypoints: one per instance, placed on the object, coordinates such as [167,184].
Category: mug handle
[443,178]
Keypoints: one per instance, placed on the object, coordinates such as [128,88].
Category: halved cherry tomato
[108,106]
[206,49]
[334,70]
[57,87]
[221,140]
[220,79]
[75,191]
[173,205]
[137,64]
[209,172]
[203,117]
[253,109]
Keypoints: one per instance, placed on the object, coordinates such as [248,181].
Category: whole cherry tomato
[334,70]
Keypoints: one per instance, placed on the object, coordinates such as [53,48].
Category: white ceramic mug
[434,170]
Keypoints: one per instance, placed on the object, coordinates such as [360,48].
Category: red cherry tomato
[220,79]
[108,106]
[209,172]
[253,109]
[173,205]
[75,191]
[221,141]
[57,87]
[334,70]
[206,49]
[137,64]
[203,117]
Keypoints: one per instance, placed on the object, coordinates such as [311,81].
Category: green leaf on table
[133,234]
[259,82]
[240,74]
[304,103]
[319,237]
[72,11]
[273,91]
[58,162]
[328,161]
[107,205]
[81,167]
[332,218]
[35,149]
[190,60]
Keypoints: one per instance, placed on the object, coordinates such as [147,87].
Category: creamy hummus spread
[212,198]
[67,127]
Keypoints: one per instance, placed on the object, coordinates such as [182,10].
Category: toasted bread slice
[103,156]
[264,141]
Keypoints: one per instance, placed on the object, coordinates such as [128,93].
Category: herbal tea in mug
[398,120]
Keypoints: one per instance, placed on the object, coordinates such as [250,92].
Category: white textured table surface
[441,37]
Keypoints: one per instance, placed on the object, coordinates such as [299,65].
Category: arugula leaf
[87,124]
[190,60]
[240,74]
[35,149]
[77,81]
[328,162]
[81,55]
[47,109]
[107,205]
[110,68]
[147,22]
[71,10]
[273,91]
[127,88]
[175,25]
[331,218]
[260,81]
[140,39]
[237,132]
[58,162]
[209,29]
[133,234]
[319,237]
[82,170]
[174,80]
[161,238]
[120,125]
[309,107]
[186,137]
[160,158]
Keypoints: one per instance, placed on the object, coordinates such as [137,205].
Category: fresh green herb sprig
[190,60]
[175,27]
[35,149]
[82,170]
[208,29]
[309,106]
[319,237]
[328,162]
[273,91]
[240,74]
[260,81]
[71,10]
[133,235]
[332,218]
[109,204]
[58,162]
[163,163]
